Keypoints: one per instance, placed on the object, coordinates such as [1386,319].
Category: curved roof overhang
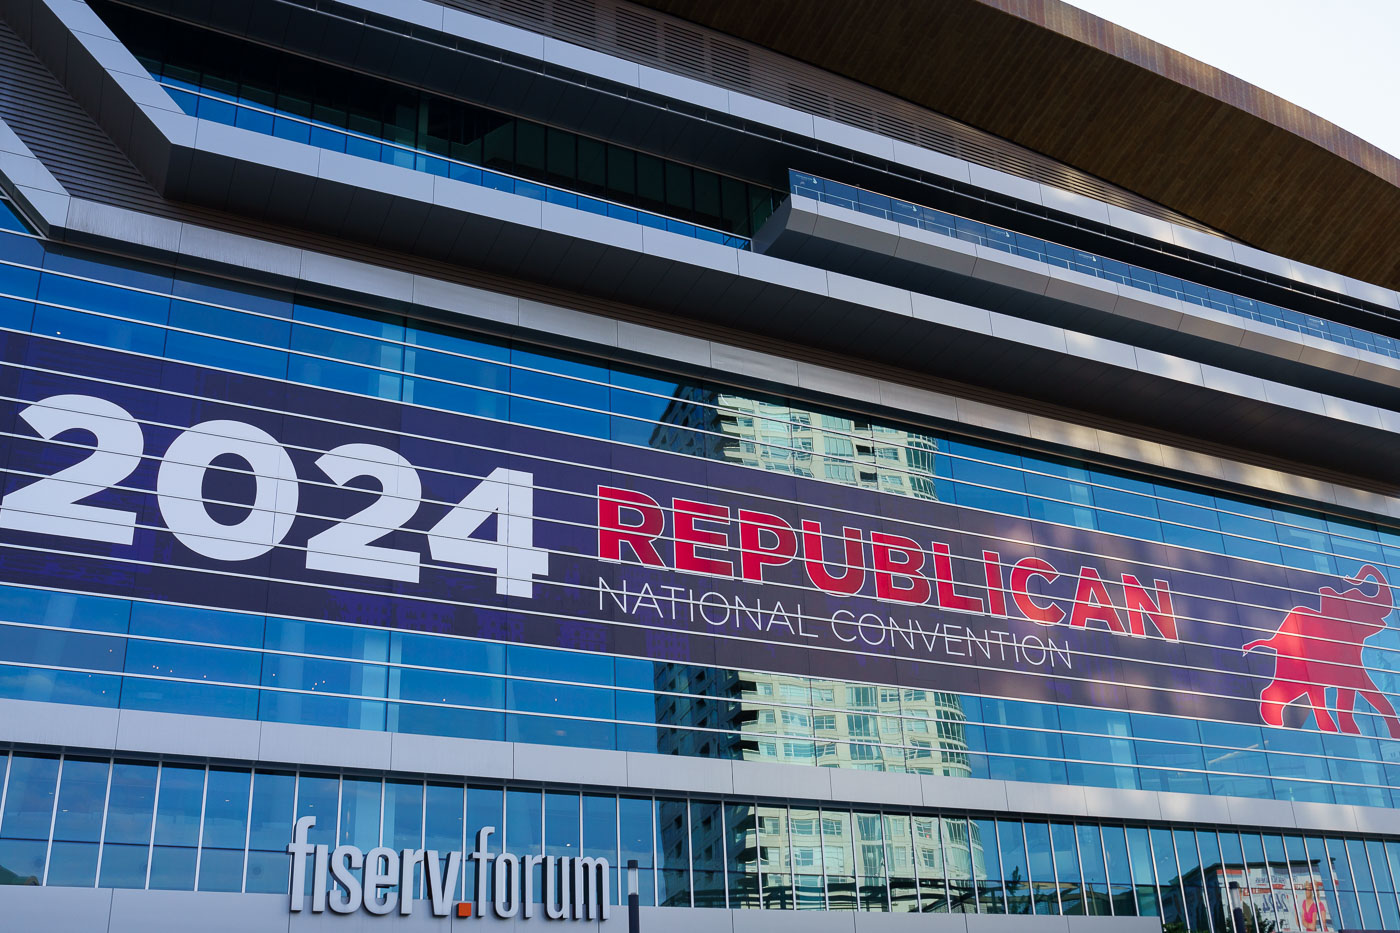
[1075,87]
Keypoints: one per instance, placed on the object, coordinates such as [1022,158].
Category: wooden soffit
[1079,89]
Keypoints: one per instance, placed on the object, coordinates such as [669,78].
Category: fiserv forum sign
[382,881]
[131,476]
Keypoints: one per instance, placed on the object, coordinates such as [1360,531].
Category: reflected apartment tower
[776,717]
[757,716]
[773,435]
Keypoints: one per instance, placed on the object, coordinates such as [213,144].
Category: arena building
[862,467]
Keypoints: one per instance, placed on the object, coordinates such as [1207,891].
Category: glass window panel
[1042,868]
[524,832]
[1168,879]
[1324,880]
[359,812]
[443,824]
[775,857]
[1189,863]
[1095,877]
[81,796]
[317,796]
[741,854]
[1363,883]
[29,800]
[22,861]
[1120,873]
[673,850]
[838,858]
[486,807]
[72,864]
[958,859]
[181,800]
[100,331]
[67,610]
[635,819]
[110,299]
[900,856]
[226,809]
[1260,905]
[561,824]
[986,866]
[1144,880]
[403,814]
[271,816]
[1236,881]
[600,826]
[707,853]
[65,649]
[1015,874]
[1216,880]
[172,868]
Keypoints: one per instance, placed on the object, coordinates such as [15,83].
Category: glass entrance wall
[192,836]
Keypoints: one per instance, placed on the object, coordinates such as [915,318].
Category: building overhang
[866,322]
[1105,100]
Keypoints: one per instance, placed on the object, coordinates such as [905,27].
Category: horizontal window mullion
[716,406]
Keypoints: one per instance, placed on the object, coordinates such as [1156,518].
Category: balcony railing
[1065,257]
[234,111]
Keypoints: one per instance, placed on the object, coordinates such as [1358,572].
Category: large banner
[155,479]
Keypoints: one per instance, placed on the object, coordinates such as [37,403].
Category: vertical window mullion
[5,786]
[914,846]
[1200,871]
[199,840]
[53,816]
[1054,866]
[155,810]
[1079,858]
[689,844]
[1001,867]
[885,848]
[1156,886]
[339,807]
[419,889]
[724,854]
[248,824]
[758,854]
[466,895]
[102,833]
[821,833]
[1180,881]
[792,854]
[1030,879]
[1108,875]
[622,875]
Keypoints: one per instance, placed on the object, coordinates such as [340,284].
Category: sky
[1338,58]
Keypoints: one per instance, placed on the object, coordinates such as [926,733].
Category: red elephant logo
[1319,648]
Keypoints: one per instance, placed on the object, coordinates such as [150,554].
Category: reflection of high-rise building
[774,435]
[799,720]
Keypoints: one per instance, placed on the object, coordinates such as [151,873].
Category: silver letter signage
[348,880]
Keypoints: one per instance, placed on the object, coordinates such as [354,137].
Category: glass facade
[1112,270]
[119,653]
[130,823]
[215,77]
[227,573]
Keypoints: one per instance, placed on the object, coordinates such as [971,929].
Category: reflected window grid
[1190,896]
[1302,531]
